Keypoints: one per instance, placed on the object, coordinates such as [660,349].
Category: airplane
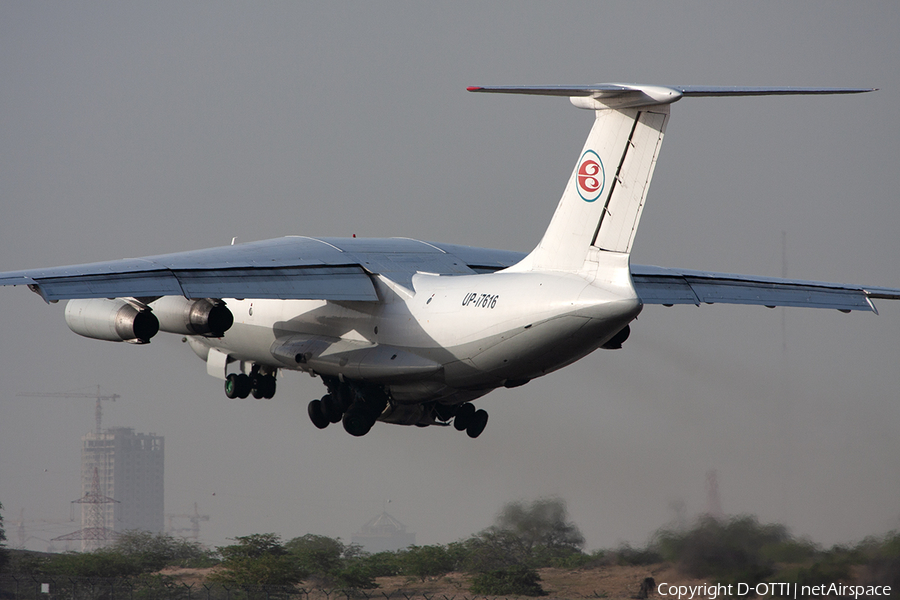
[411,332]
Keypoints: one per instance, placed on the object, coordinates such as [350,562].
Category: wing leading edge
[299,268]
[304,269]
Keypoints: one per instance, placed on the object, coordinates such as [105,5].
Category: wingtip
[474,88]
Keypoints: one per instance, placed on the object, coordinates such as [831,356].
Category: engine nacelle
[192,317]
[113,320]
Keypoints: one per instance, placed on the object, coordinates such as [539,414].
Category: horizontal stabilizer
[621,95]
[656,285]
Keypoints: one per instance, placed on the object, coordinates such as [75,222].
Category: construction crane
[25,535]
[98,397]
[195,523]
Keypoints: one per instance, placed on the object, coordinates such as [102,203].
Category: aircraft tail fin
[601,206]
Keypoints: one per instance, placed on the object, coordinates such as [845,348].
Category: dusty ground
[612,582]
[187,576]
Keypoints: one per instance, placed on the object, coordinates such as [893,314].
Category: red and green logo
[590,176]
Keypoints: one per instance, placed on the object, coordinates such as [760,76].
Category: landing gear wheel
[357,422]
[332,408]
[271,386]
[237,385]
[317,414]
[257,391]
[231,385]
[477,423]
[263,386]
[243,385]
[463,417]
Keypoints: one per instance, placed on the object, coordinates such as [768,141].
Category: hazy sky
[130,129]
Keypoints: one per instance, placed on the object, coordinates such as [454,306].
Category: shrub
[723,549]
[317,554]
[4,554]
[99,563]
[355,573]
[154,551]
[790,551]
[382,564]
[512,581]
[626,555]
[577,560]
[425,561]
[257,559]
[827,570]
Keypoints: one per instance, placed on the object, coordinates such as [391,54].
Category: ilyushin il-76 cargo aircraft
[411,332]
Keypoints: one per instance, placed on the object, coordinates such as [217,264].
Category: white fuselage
[453,339]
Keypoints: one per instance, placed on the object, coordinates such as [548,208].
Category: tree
[491,550]
[317,554]
[382,564]
[425,561]
[4,554]
[356,573]
[258,559]
[541,523]
[331,560]
[154,551]
[104,562]
[738,547]
[536,534]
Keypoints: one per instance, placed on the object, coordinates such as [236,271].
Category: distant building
[130,471]
[384,533]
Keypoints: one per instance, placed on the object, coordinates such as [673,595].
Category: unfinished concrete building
[129,466]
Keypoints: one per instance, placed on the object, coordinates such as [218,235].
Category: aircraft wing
[283,268]
[341,268]
[657,285]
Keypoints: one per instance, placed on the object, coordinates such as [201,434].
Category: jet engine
[111,319]
[192,317]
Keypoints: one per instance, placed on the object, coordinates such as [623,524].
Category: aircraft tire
[317,414]
[257,391]
[463,417]
[231,386]
[263,386]
[270,386]
[243,386]
[477,423]
[332,408]
[357,421]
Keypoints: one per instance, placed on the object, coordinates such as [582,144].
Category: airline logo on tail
[590,176]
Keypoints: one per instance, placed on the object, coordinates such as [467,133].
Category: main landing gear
[241,385]
[358,409]
[470,420]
